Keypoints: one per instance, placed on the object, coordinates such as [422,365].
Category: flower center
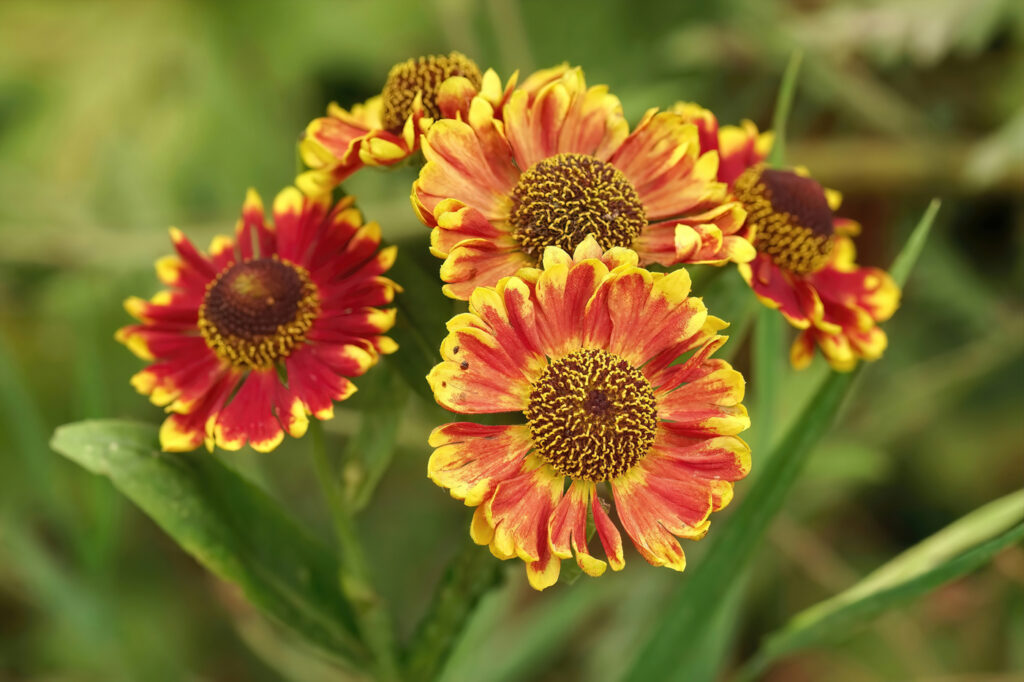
[257,311]
[561,199]
[791,216]
[422,76]
[592,415]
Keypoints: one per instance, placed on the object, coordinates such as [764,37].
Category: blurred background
[118,119]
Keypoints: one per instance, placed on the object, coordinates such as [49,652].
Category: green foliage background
[118,119]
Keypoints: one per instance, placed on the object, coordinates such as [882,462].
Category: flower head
[805,264]
[267,327]
[805,267]
[386,129]
[559,162]
[584,347]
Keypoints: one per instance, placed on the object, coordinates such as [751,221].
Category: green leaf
[958,537]
[904,262]
[769,329]
[767,373]
[702,592]
[230,526]
[783,105]
[951,553]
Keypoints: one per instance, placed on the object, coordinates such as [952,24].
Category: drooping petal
[519,510]
[567,528]
[654,512]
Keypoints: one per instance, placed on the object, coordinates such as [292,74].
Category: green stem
[472,573]
[371,614]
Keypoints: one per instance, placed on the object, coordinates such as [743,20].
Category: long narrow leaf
[227,524]
[768,328]
[904,262]
[702,592]
[949,554]
[783,105]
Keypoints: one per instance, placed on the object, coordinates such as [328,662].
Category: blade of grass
[906,258]
[783,105]
[767,370]
[700,594]
[768,328]
[704,590]
[961,547]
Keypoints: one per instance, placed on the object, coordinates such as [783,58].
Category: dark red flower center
[257,311]
[791,216]
[592,415]
[560,200]
[423,77]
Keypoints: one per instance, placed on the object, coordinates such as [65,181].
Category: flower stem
[371,614]
[472,573]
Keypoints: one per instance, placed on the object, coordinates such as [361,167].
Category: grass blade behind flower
[961,547]
[703,590]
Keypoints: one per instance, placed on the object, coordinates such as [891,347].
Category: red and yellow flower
[585,347]
[559,162]
[805,265]
[806,268]
[267,327]
[386,128]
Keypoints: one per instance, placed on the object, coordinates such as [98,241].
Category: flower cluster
[546,210]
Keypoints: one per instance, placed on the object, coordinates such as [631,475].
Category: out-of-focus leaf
[951,553]
[999,156]
[908,255]
[768,329]
[783,105]
[24,432]
[963,534]
[227,524]
[704,590]
[920,31]
[767,375]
